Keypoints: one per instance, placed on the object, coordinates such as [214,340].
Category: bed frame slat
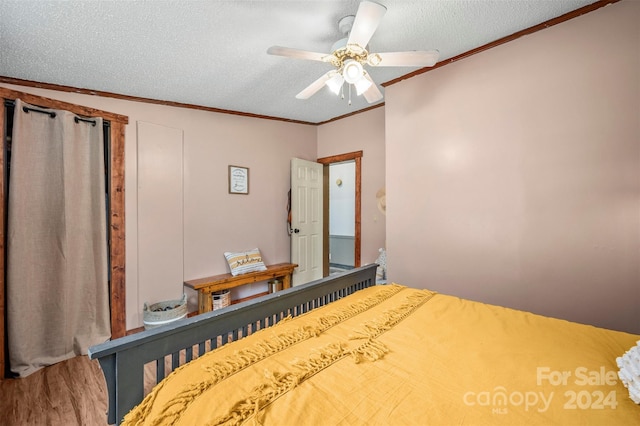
[123,360]
[160,369]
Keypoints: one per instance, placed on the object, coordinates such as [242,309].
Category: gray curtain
[57,282]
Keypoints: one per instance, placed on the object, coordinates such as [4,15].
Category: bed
[343,350]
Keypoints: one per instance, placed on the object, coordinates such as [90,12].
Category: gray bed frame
[123,360]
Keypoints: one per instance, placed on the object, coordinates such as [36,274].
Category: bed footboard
[123,360]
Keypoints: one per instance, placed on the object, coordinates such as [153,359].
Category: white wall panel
[160,213]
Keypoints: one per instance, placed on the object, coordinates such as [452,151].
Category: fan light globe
[362,86]
[352,71]
[335,83]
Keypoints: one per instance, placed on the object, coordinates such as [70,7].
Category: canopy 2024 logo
[500,400]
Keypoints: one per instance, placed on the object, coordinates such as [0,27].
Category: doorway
[356,159]
[341,216]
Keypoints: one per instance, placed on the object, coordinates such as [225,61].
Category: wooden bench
[206,286]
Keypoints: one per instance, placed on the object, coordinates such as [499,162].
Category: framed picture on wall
[238,180]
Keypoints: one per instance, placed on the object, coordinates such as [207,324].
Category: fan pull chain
[349,95]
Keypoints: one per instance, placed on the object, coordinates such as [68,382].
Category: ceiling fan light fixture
[352,71]
[335,83]
[350,54]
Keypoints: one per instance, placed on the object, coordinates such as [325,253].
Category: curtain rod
[11,104]
[86,120]
[49,113]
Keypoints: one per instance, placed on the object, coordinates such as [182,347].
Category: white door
[306,220]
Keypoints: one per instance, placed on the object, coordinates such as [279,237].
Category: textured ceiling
[213,53]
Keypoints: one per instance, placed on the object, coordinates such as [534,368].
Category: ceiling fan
[349,55]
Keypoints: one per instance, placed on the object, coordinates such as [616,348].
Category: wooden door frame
[116,213]
[327,161]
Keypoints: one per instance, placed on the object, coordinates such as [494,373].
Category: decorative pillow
[243,262]
[629,373]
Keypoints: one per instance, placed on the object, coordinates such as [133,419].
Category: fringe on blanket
[278,383]
[243,358]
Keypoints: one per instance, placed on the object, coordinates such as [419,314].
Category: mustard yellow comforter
[391,355]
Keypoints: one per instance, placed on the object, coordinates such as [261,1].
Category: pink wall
[214,221]
[513,176]
[362,132]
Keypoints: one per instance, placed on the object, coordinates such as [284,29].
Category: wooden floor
[72,392]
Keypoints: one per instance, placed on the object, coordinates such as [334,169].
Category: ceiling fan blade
[404,59]
[372,94]
[367,19]
[299,54]
[311,89]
